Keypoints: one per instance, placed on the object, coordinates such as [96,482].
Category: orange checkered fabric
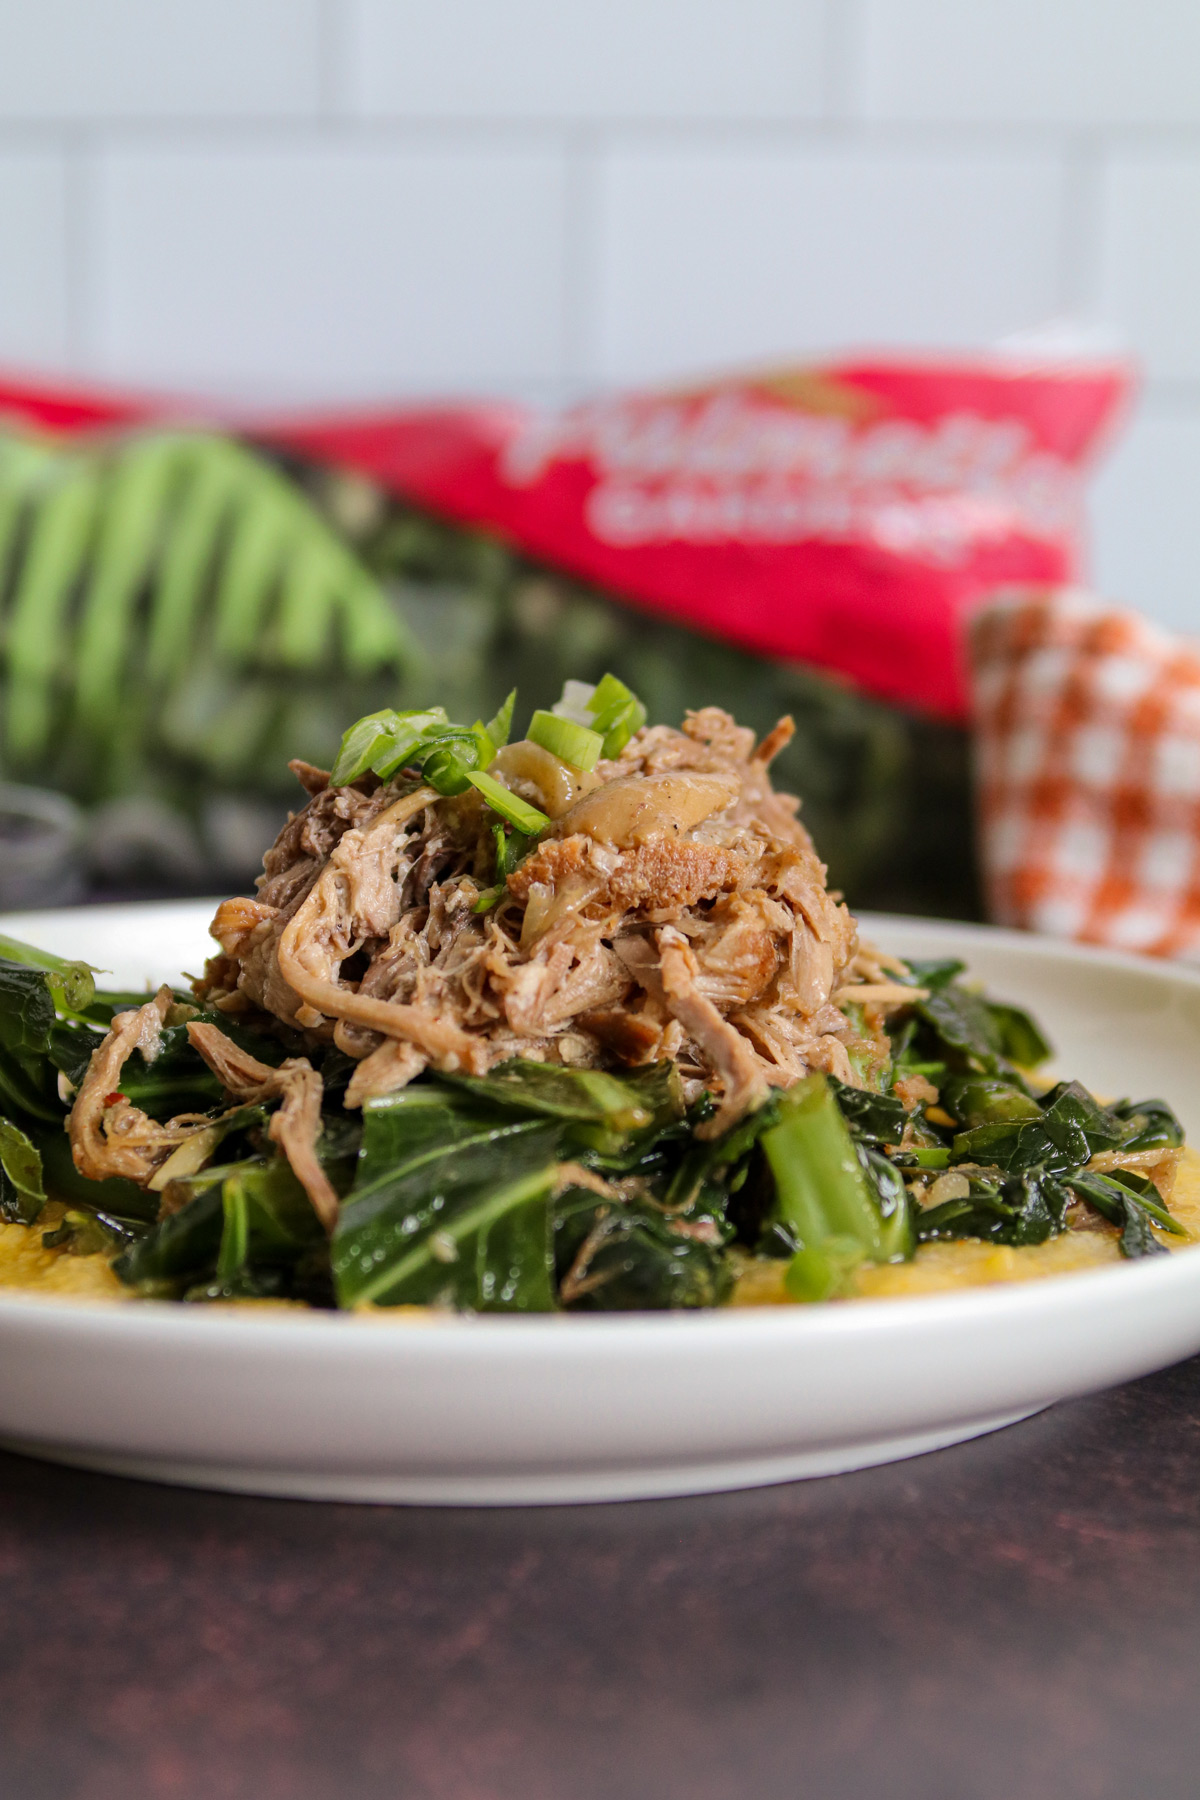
[1087,724]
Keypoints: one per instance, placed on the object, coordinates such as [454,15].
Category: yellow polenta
[964,1263]
[26,1263]
[936,1268]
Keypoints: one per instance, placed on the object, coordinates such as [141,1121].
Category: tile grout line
[882,136]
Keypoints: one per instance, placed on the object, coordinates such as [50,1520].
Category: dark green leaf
[963,1024]
[1026,1208]
[987,1100]
[1019,1037]
[621,1103]
[934,973]
[26,1012]
[22,1187]
[71,983]
[629,1257]
[448,1206]
[1151,1124]
[1131,1201]
[268,1219]
[873,1118]
[181,1248]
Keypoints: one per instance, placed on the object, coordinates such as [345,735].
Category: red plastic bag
[847,516]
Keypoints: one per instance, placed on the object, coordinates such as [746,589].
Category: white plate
[495,1411]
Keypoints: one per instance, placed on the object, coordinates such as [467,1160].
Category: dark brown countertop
[1010,1619]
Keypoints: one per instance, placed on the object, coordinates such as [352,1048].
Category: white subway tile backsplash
[1146,542]
[1150,258]
[330,270]
[33,260]
[536,196]
[589,59]
[71,59]
[1031,61]
[710,256]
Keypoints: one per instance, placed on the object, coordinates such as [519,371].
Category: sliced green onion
[609,692]
[484,743]
[610,709]
[447,770]
[382,742]
[571,743]
[510,806]
[619,730]
[448,754]
[616,714]
[511,851]
[400,745]
[499,729]
[360,745]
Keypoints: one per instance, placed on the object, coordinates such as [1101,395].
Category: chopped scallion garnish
[402,744]
[616,714]
[610,709]
[499,729]
[383,742]
[510,806]
[571,743]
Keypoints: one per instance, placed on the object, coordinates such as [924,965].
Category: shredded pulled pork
[676,908]
[109,1134]
[296,1126]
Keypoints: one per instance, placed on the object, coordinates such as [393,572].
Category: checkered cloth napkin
[1087,725]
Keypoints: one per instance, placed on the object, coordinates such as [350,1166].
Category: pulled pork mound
[675,908]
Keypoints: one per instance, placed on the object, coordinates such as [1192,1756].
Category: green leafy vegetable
[182,1248]
[540,1186]
[1018,1037]
[1024,1208]
[619,1102]
[825,1199]
[449,1205]
[71,985]
[620,1258]
[22,1191]
[987,1100]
